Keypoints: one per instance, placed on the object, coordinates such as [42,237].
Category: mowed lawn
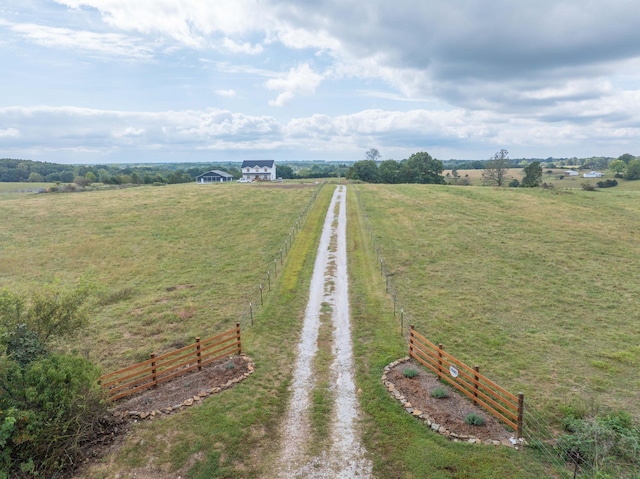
[166,263]
[540,288]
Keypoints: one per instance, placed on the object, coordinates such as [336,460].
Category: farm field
[538,287]
[160,259]
[166,263]
[575,182]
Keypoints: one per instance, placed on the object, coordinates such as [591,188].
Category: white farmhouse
[571,173]
[259,170]
[592,174]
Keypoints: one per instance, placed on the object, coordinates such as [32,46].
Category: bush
[49,411]
[410,373]
[474,419]
[607,184]
[514,183]
[439,393]
[606,442]
[588,187]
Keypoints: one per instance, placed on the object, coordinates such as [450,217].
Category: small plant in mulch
[230,365]
[439,393]
[410,373]
[474,419]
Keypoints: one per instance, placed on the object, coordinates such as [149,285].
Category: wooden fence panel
[159,369]
[481,390]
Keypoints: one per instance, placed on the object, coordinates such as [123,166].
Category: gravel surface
[345,457]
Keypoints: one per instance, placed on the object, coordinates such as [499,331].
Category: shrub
[410,373]
[439,393]
[51,410]
[474,419]
[514,183]
[607,184]
[588,187]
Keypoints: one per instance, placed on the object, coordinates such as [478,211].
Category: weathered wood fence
[501,403]
[164,367]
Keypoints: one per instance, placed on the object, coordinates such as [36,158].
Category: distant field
[21,187]
[574,182]
[538,287]
[168,263]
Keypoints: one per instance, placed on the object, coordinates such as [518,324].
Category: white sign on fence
[454,371]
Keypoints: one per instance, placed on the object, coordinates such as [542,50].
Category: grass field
[167,263]
[538,287]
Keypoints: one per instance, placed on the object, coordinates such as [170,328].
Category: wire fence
[537,432]
[256,298]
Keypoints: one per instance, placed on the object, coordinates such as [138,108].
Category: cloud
[226,93]
[9,132]
[112,44]
[300,80]
[245,47]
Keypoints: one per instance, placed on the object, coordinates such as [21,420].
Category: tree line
[418,168]
[16,170]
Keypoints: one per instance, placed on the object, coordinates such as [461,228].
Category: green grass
[167,264]
[401,446]
[539,288]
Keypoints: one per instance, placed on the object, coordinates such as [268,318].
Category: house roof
[250,163]
[216,173]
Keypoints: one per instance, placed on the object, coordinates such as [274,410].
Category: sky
[122,81]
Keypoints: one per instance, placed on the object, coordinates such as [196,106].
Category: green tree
[388,171]
[633,170]
[617,166]
[627,157]
[285,172]
[532,175]
[90,177]
[35,178]
[421,168]
[496,169]
[365,170]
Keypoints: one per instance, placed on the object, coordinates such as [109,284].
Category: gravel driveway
[345,457]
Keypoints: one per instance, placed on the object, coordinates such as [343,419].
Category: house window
[265,168]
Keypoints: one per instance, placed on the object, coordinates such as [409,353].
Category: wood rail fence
[164,367]
[501,403]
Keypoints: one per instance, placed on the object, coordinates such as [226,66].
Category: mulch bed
[448,412]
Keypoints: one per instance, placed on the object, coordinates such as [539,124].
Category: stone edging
[139,415]
[429,422]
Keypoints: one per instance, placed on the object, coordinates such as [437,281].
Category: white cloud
[9,132]
[244,47]
[226,93]
[114,44]
[301,80]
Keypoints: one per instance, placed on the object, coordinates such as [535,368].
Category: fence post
[440,348]
[269,278]
[394,304]
[154,378]
[381,267]
[476,370]
[238,338]
[387,276]
[411,341]
[520,414]
[275,267]
[280,256]
[198,353]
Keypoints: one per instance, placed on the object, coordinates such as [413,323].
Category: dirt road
[344,457]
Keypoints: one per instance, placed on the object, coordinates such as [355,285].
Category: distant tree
[365,170]
[372,154]
[35,178]
[617,166]
[496,169]
[633,170]
[67,177]
[285,172]
[388,171]
[90,177]
[421,168]
[532,175]
[626,158]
